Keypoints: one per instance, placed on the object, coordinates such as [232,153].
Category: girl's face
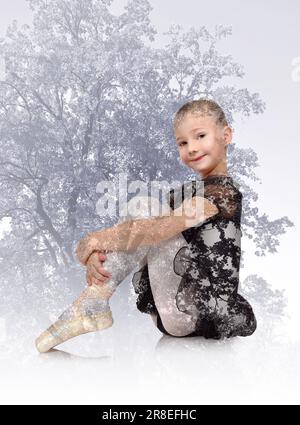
[199,136]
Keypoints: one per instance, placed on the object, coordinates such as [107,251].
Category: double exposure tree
[84,96]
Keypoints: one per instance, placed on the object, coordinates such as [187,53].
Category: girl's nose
[193,147]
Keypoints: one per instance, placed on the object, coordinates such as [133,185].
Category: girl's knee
[142,207]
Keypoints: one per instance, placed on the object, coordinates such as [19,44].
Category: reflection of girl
[189,263]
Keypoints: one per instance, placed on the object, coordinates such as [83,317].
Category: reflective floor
[133,363]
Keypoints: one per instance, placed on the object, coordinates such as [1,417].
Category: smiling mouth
[198,159]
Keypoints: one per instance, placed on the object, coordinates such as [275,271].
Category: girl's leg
[164,284]
[91,311]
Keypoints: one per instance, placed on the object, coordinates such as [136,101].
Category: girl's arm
[134,233]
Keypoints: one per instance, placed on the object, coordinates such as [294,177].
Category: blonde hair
[201,107]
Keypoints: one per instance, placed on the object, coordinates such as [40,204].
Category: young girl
[188,257]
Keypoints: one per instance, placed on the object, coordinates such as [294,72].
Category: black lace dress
[208,264]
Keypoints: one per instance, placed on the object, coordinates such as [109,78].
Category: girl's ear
[228,134]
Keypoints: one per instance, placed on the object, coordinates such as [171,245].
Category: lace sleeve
[223,194]
[226,198]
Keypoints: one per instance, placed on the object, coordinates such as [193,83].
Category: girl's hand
[95,273]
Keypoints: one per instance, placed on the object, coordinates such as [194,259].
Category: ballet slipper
[90,312]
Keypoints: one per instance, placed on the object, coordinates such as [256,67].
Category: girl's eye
[199,135]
